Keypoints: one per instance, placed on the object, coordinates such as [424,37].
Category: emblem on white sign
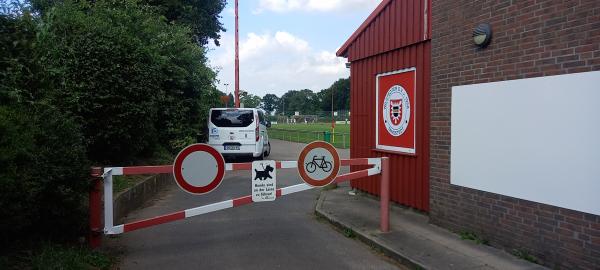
[396,110]
[264,180]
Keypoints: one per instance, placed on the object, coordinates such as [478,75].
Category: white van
[239,132]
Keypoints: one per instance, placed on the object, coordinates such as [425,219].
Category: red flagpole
[237,59]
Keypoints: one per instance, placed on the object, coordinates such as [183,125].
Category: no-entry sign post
[199,168]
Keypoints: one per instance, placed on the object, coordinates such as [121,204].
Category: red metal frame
[95,208]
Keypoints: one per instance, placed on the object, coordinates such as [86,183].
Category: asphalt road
[268,235]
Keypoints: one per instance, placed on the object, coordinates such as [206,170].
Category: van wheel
[268,151]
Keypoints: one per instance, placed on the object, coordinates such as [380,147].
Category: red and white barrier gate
[380,166]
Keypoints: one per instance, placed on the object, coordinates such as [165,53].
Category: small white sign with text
[264,180]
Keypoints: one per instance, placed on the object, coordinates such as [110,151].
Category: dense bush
[43,174]
[130,78]
[18,65]
[103,82]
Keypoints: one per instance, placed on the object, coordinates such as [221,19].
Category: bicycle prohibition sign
[320,163]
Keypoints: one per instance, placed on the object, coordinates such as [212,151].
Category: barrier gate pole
[95,208]
[380,166]
[385,195]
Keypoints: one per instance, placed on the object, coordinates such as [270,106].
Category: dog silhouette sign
[264,180]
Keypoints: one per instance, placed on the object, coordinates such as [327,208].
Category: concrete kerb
[365,237]
[134,197]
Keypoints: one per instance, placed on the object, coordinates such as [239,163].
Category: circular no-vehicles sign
[318,163]
[199,168]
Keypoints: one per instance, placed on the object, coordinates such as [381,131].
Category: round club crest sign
[396,110]
[396,114]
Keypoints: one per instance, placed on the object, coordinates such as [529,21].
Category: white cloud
[275,63]
[330,63]
[281,6]
[286,39]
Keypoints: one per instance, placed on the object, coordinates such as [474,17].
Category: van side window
[261,117]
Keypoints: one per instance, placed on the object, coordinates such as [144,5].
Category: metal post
[108,199]
[237,59]
[95,209]
[385,195]
[332,120]
[226,93]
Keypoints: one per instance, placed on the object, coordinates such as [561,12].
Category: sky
[286,44]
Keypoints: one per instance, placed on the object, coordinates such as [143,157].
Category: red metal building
[395,38]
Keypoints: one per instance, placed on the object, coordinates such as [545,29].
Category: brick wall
[530,39]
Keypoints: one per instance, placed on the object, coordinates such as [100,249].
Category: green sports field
[306,133]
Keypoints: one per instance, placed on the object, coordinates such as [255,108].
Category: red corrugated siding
[399,24]
[395,39]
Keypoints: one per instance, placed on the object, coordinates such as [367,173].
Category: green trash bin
[327,136]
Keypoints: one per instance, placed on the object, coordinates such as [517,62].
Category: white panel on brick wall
[536,139]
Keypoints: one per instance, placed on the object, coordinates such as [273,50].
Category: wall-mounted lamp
[482,35]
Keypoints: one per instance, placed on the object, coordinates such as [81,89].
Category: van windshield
[232,118]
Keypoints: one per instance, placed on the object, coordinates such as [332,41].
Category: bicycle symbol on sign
[323,164]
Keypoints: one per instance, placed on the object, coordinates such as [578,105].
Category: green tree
[249,100]
[303,101]
[201,16]
[231,102]
[341,96]
[270,103]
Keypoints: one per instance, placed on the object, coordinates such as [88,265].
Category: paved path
[282,234]
[411,238]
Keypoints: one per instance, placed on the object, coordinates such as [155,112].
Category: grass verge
[54,256]
[306,133]
[473,237]
[160,157]
[123,182]
[341,128]
[523,254]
